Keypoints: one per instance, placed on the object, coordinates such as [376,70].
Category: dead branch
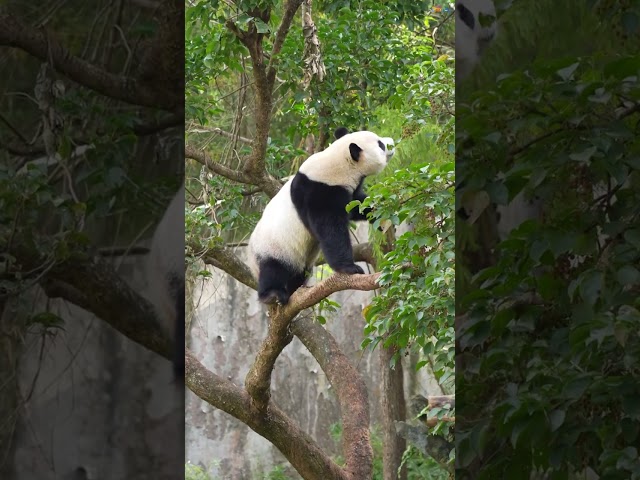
[312,55]
[43,45]
[219,131]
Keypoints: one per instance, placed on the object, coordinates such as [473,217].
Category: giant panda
[308,215]
[476,28]
[166,277]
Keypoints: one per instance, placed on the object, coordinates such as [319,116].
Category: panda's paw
[350,269]
[278,297]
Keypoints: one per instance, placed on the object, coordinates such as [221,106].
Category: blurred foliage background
[549,387]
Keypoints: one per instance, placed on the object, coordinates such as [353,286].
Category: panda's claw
[352,269]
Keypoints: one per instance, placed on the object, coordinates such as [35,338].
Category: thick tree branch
[93,284]
[362,252]
[258,379]
[351,391]
[298,447]
[267,183]
[204,159]
[225,259]
[14,33]
[308,297]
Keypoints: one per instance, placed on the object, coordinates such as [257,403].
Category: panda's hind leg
[179,334]
[277,281]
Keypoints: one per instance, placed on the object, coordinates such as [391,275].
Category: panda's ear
[466,16]
[340,132]
[354,150]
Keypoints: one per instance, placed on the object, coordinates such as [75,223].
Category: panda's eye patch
[382,146]
[466,16]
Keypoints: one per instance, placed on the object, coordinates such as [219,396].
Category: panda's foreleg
[277,281]
[331,229]
[355,213]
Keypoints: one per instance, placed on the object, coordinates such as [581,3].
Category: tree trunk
[9,345]
[393,409]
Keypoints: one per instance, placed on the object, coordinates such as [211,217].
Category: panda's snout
[390,151]
[485,40]
[390,147]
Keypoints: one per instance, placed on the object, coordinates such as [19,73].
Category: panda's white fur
[282,249]
[166,274]
[471,36]
[281,234]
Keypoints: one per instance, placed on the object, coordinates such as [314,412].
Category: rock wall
[95,405]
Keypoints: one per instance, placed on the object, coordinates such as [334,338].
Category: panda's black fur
[309,214]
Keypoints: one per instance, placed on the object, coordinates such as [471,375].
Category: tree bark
[393,409]
[10,335]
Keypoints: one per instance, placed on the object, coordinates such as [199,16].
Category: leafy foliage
[548,379]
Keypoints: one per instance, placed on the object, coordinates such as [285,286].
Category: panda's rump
[280,234]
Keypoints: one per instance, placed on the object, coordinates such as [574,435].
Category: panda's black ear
[340,132]
[354,150]
[466,16]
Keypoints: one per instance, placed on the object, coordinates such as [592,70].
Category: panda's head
[367,152]
[476,27]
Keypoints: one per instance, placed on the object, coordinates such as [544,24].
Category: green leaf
[630,22]
[556,418]
[590,286]
[261,27]
[583,156]
[628,275]
[567,72]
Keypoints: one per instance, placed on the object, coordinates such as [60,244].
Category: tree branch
[362,252]
[290,10]
[220,132]
[225,259]
[94,285]
[264,78]
[258,379]
[14,33]
[204,159]
[308,297]
[273,424]
[266,182]
[351,391]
